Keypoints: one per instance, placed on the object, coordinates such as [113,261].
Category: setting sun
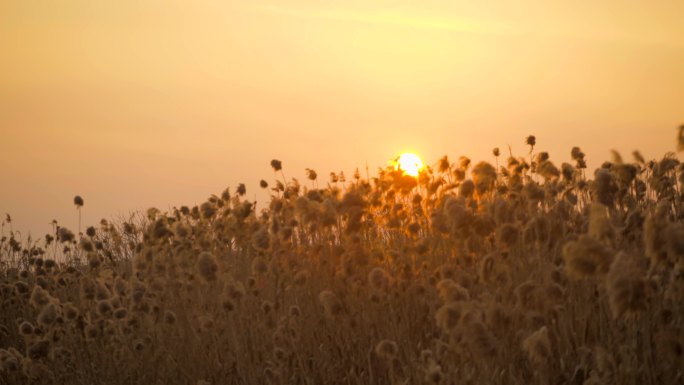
[409,163]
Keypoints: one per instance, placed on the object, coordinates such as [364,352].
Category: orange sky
[157,103]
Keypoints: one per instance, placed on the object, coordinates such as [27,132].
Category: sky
[134,104]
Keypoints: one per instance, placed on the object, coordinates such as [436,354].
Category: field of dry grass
[514,271]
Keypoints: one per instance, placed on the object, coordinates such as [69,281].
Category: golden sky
[162,102]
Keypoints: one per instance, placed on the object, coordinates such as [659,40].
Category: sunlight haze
[133,104]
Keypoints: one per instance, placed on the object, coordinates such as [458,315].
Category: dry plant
[516,273]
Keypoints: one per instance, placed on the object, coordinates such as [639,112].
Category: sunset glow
[409,163]
[177,98]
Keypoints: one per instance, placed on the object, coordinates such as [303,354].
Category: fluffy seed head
[8,362]
[121,287]
[378,279]
[207,266]
[294,311]
[576,153]
[20,288]
[266,306]
[65,235]
[40,297]
[70,311]
[47,315]
[586,257]
[604,187]
[433,374]
[91,332]
[301,277]
[261,239]
[626,286]
[466,189]
[674,236]
[259,266]
[387,349]
[331,303]
[448,316]
[26,329]
[38,349]
[87,288]
[655,230]
[206,323]
[599,223]
[480,340]
[507,235]
[450,291]
[484,176]
[104,308]
[538,346]
[241,189]
[169,317]
[102,292]
[120,313]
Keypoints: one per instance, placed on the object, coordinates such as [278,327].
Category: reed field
[511,270]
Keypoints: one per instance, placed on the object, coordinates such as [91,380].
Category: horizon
[264,195]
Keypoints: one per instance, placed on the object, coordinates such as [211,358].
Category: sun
[409,163]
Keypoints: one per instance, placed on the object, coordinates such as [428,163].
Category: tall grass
[525,273]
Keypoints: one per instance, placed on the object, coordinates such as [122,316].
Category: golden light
[409,163]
